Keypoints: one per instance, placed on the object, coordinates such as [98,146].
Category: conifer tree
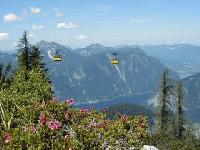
[180,110]
[164,99]
[23,54]
[24,51]
[31,82]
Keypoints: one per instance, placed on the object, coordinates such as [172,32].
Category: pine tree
[180,110]
[23,53]
[31,82]
[163,112]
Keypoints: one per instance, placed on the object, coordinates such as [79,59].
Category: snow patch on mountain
[120,73]
[50,54]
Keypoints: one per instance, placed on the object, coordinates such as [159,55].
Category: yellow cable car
[57,56]
[114,59]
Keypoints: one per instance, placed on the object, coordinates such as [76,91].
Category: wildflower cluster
[57,125]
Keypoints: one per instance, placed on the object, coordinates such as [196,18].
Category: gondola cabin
[57,56]
[114,59]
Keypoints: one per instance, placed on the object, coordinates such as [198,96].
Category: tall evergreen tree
[180,110]
[30,77]
[23,53]
[164,99]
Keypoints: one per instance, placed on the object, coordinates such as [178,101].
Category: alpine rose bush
[57,125]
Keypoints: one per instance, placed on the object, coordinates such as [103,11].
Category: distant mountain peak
[51,45]
[95,45]
[42,42]
[127,46]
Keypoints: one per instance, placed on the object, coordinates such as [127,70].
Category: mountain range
[181,58]
[87,75]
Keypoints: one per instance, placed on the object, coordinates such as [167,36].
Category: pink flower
[54,125]
[43,119]
[7,137]
[70,101]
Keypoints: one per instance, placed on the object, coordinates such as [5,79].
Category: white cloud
[10,17]
[35,10]
[63,25]
[58,13]
[81,37]
[3,35]
[37,27]
[140,20]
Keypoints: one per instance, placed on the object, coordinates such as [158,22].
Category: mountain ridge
[94,77]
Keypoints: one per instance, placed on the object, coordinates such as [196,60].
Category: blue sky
[78,23]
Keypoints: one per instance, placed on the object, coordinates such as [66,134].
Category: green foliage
[35,58]
[131,110]
[29,85]
[36,87]
[180,120]
[24,52]
[56,125]
[167,141]
[173,130]
[30,80]
[5,77]
[163,114]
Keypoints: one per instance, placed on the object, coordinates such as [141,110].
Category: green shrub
[56,125]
